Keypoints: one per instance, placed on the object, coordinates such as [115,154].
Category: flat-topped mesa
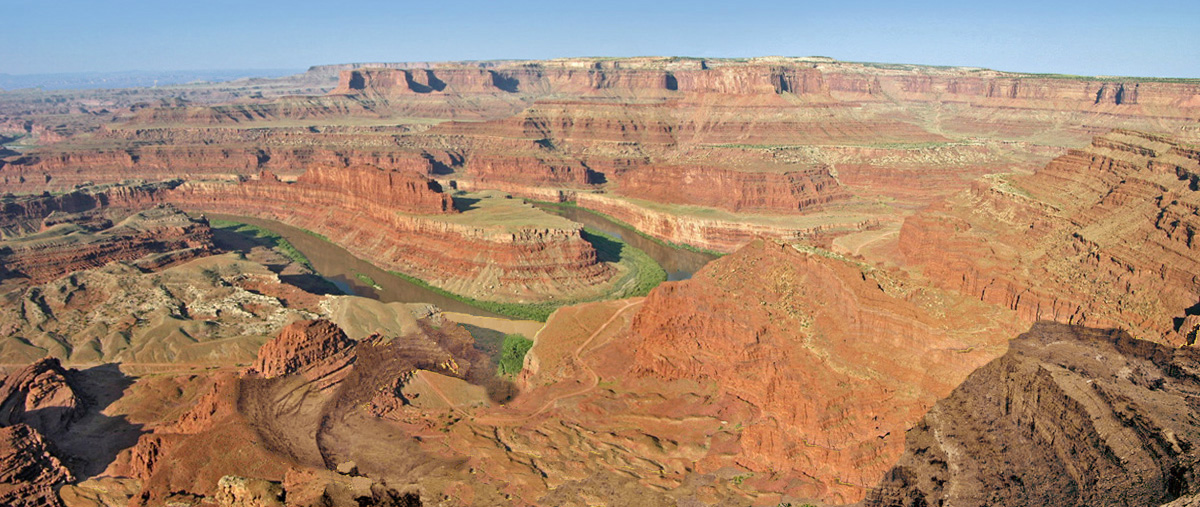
[405,223]
[545,77]
[759,76]
[1103,236]
[1045,92]
[363,188]
[837,360]
[53,170]
[199,155]
[390,83]
[787,191]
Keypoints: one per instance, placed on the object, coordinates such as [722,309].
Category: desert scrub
[366,280]
[523,311]
[512,354]
[1002,182]
[264,237]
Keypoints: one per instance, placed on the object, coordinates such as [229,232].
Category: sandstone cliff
[720,235]
[301,345]
[523,262]
[909,132]
[792,191]
[28,213]
[42,396]
[800,77]
[836,361]
[322,397]
[29,471]
[200,153]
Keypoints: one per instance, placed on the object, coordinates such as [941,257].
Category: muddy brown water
[680,264]
[342,268]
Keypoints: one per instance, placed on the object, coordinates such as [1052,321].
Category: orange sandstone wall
[787,192]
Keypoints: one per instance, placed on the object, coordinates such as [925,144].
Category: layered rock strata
[37,404]
[154,238]
[301,345]
[28,213]
[1101,236]
[29,471]
[785,192]
[720,235]
[42,396]
[1069,416]
[526,263]
[285,434]
[801,77]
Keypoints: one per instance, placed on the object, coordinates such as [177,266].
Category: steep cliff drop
[405,222]
[1070,416]
[775,135]
[38,404]
[802,395]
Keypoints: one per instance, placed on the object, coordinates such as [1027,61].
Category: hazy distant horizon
[131,78]
[1095,38]
[145,78]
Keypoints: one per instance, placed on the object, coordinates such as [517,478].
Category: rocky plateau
[907,286]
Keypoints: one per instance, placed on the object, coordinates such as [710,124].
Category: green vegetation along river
[357,277]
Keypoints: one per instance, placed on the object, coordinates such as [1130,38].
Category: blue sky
[1098,37]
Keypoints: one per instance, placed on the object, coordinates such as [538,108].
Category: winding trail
[885,236]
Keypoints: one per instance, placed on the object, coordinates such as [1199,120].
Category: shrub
[512,354]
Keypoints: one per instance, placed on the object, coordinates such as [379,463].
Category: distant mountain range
[128,79]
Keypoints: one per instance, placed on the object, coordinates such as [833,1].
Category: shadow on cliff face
[505,82]
[233,241]
[607,250]
[489,341]
[438,167]
[1188,329]
[464,203]
[95,439]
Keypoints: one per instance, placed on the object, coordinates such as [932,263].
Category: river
[342,268]
[679,263]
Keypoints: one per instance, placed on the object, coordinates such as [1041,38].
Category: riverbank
[639,273]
